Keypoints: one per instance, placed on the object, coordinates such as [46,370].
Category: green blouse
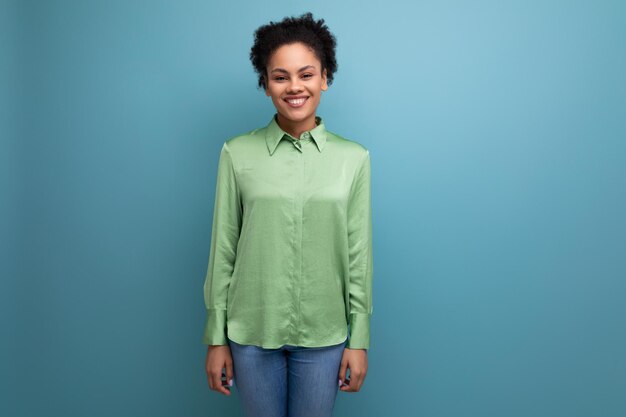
[291,244]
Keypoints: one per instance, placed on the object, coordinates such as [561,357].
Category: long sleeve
[227,215]
[360,255]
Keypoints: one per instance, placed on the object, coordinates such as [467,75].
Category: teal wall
[11,187]
[497,132]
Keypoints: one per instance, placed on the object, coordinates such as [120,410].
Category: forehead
[293,56]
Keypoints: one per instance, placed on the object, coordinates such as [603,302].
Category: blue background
[496,130]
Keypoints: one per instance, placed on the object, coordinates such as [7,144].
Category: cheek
[275,97]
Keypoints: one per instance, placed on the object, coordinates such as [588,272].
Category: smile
[297,102]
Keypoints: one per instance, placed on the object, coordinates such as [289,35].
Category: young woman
[288,289]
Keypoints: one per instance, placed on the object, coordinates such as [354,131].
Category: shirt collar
[274,134]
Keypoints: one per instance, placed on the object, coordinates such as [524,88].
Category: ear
[324,83]
[267,90]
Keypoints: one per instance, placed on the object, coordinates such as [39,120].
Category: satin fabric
[291,260]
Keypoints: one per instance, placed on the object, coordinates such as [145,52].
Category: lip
[296,97]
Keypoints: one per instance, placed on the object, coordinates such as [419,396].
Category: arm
[360,253]
[227,217]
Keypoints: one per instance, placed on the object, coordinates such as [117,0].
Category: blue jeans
[290,381]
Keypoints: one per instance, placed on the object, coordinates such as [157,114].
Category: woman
[288,289]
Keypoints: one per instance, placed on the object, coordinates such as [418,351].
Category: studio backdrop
[497,138]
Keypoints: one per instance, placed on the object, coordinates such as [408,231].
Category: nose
[295,86]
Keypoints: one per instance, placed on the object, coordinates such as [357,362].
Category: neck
[296,128]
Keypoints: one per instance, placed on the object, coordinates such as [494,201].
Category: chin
[294,117]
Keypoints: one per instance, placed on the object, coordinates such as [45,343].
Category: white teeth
[297,102]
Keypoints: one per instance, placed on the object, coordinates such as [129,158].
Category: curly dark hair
[305,29]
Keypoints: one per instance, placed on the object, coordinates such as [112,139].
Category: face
[295,83]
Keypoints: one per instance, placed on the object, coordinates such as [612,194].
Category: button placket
[297,239]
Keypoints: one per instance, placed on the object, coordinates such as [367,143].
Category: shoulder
[244,145]
[245,138]
[350,146]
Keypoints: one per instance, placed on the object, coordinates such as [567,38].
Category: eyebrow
[286,72]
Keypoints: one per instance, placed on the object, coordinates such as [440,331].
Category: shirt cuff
[215,330]
[359,331]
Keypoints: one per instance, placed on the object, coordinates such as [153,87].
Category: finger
[342,371]
[224,389]
[214,380]
[358,379]
[209,379]
[345,386]
[207,369]
[230,374]
[356,382]
[217,382]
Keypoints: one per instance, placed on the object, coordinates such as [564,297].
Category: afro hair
[305,29]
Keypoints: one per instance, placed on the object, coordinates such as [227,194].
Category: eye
[279,78]
[307,75]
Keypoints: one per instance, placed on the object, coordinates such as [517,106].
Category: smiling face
[295,83]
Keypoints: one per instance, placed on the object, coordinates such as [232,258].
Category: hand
[356,361]
[217,358]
